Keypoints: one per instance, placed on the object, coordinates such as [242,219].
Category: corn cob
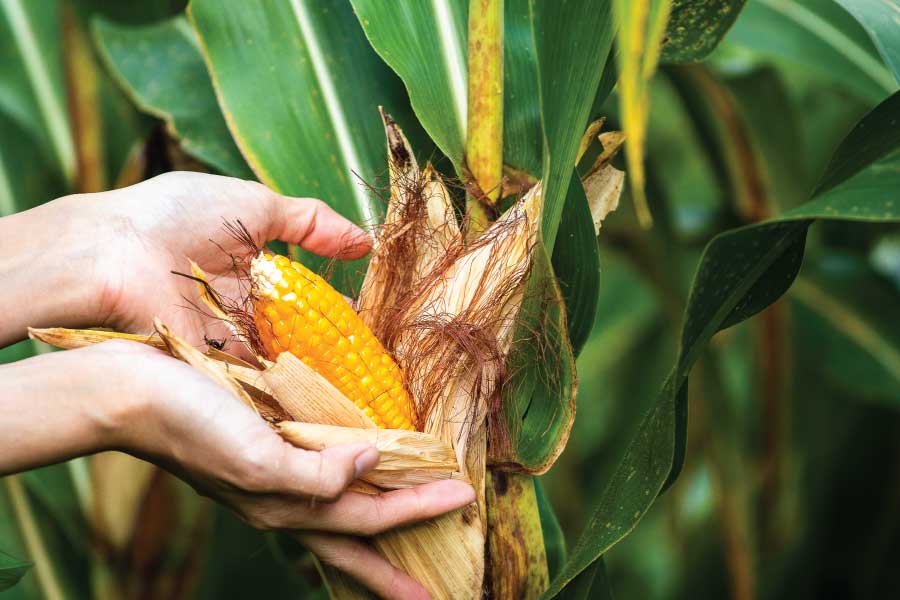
[296,310]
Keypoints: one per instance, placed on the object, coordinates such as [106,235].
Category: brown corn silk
[446,308]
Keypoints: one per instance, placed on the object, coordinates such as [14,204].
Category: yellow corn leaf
[642,25]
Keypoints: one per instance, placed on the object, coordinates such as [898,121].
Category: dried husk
[603,187]
[446,308]
[408,458]
[309,397]
[588,137]
[603,183]
[78,338]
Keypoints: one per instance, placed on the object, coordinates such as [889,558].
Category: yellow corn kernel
[296,310]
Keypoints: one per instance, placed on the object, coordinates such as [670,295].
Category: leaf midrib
[336,112]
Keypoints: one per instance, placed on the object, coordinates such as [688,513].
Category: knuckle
[330,481]
[376,521]
[329,488]
[255,473]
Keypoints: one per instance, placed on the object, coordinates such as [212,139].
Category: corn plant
[505,119]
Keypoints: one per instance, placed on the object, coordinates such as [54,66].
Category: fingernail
[456,492]
[464,491]
[367,460]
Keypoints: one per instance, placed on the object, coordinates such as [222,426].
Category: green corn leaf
[590,584]
[425,44]
[27,177]
[32,90]
[876,131]
[522,132]
[554,539]
[318,133]
[300,87]
[242,561]
[834,301]
[696,27]
[572,41]
[641,30]
[741,272]
[161,69]
[540,407]
[11,570]
[818,36]
[576,262]
[880,19]
[86,136]
[539,396]
[53,489]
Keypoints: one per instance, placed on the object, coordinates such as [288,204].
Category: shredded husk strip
[248,376]
[457,365]
[222,356]
[588,138]
[612,142]
[408,458]
[416,234]
[79,338]
[70,339]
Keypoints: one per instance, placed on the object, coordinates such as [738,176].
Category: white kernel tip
[265,275]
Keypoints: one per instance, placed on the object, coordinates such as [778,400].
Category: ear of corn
[296,311]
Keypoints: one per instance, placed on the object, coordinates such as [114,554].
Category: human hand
[126,396]
[106,259]
[170,218]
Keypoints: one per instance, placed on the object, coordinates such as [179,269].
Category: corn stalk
[484,135]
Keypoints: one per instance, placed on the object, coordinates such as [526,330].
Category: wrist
[125,396]
[59,406]
[45,267]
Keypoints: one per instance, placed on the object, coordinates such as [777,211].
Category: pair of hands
[105,260]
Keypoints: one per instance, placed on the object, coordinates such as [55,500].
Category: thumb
[315,226]
[325,475]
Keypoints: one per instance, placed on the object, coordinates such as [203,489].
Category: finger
[323,475]
[364,514]
[316,227]
[364,564]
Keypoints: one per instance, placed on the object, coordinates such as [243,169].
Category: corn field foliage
[735,325]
